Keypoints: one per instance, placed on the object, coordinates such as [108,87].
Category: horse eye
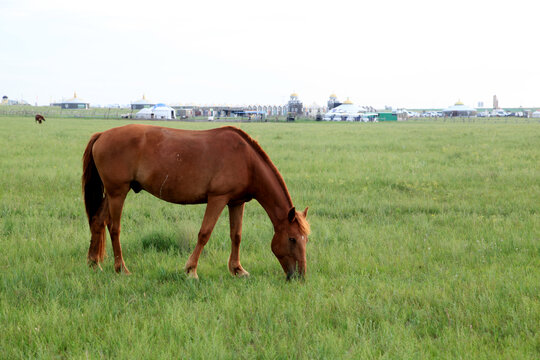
[292,240]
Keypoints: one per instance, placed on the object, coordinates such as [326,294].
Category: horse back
[180,166]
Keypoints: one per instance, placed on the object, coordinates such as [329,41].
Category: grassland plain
[425,244]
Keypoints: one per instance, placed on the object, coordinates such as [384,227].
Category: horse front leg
[116,203]
[236,214]
[211,215]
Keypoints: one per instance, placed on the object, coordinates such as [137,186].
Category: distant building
[314,110]
[269,110]
[459,109]
[141,104]
[294,105]
[184,111]
[222,110]
[7,101]
[73,103]
[495,102]
[333,102]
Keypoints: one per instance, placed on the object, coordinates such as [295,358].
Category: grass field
[425,244]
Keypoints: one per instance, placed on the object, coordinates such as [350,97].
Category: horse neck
[273,197]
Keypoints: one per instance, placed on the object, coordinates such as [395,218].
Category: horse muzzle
[298,271]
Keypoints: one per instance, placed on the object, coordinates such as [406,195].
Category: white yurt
[346,111]
[141,104]
[157,112]
[459,109]
[536,114]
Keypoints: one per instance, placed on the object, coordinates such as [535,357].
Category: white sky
[414,54]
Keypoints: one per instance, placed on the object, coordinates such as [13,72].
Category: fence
[108,113]
[122,113]
[57,112]
[476,120]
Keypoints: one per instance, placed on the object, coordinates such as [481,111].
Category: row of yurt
[157,112]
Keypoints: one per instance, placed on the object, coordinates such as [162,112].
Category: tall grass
[425,244]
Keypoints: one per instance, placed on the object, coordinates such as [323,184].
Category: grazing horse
[39,118]
[220,167]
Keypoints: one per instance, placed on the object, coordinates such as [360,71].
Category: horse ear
[305,211]
[292,214]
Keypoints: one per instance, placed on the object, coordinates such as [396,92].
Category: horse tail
[92,186]
[95,203]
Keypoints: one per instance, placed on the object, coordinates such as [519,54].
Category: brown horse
[220,167]
[39,118]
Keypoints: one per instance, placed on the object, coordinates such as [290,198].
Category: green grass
[425,244]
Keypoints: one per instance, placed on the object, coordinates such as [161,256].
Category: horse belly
[176,186]
[193,185]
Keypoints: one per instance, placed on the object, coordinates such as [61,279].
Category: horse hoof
[122,269]
[242,274]
[191,272]
[238,271]
[93,264]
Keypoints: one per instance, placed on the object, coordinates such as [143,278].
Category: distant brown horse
[220,167]
[39,118]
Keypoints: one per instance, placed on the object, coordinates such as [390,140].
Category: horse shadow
[167,242]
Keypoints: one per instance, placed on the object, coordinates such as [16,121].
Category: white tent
[346,111]
[536,114]
[145,113]
[157,112]
[459,109]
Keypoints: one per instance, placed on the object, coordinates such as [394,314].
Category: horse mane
[303,223]
[259,150]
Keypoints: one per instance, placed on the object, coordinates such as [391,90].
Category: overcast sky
[413,54]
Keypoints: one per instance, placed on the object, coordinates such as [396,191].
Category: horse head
[289,243]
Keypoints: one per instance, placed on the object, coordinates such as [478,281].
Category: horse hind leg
[236,214]
[116,203]
[96,252]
